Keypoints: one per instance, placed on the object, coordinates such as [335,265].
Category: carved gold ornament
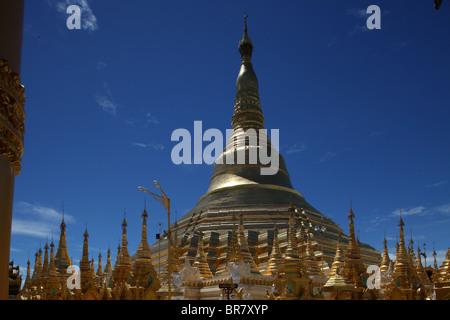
[12,116]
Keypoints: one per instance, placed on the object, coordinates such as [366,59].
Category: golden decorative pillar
[385,261]
[276,257]
[403,270]
[245,251]
[354,268]
[338,262]
[12,119]
[200,261]
[62,258]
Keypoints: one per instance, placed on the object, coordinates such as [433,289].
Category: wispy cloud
[147,119]
[362,16]
[445,208]
[296,148]
[357,29]
[374,222]
[357,12]
[151,119]
[100,65]
[331,42]
[376,133]
[419,210]
[437,184]
[88,19]
[327,156]
[106,101]
[41,212]
[31,228]
[36,220]
[151,145]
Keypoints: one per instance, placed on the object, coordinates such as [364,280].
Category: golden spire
[234,253]
[444,269]
[312,267]
[125,255]
[52,267]
[123,263]
[27,283]
[200,261]
[108,267]
[52,284]
[302,236]
[291,256]
[45,265]
[247,110]
[402,269]
[420,271]
[35,278]
[85,264]
[292,245]
[352,248]
[354,268]
[339,257]
[385,261]
[276,257]
[245,251]
[143,251]
[177,263]
[62,259]
[99,269]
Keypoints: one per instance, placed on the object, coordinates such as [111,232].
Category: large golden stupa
[259,201]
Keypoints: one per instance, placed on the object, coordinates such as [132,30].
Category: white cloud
[30,228]
[357,12]
[445,208]
[357,29]
[419,210]
[106,104]
[100,65]
[328,156]
[41,212]
[151,119]
[296,148]
[88,19]
[151,145]
[144,121]
[106,101]
[36,220]
[437,184]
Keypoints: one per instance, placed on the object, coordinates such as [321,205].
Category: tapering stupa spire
[108,267]
[52,284]
[403,269]
[27,284]
[276,257]
[123,262]
[247,110]
[62,259]
[338,261]
[100,268]
[200,261]
[85,264]
[143,250]
[245,251]
[292,245]
[45,264]
[385,261]
[234,253]
[353,265]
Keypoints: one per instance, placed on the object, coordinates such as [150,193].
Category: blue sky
[363,114]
